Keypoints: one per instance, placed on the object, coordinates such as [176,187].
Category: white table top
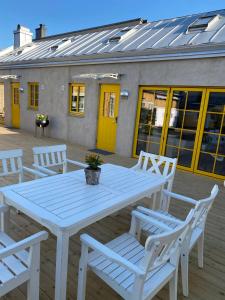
[66,202]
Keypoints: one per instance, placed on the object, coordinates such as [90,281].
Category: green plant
[93,161]
[41,117]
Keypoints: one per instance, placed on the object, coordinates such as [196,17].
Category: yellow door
[15,105]
[108,116]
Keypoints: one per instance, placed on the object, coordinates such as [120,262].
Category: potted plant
[92,172]
[42,120]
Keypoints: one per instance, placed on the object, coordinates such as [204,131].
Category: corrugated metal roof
[157,35]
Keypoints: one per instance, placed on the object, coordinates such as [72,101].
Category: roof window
[61,44]
[203,23]
[121,35]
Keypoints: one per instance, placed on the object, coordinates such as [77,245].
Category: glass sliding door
[211,154]
[150,120]
[183,126]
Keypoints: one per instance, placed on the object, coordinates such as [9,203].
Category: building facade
[152,86]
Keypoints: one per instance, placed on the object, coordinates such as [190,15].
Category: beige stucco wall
[54,95]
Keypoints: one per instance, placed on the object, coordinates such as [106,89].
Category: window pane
[109,105]
[220,165]
[171,152]
[155,134]
[74,99]
[194,100]
[213,122]
[176,118]
[206,162]
[216,102]
[154,148]
[81,99]
[179,99]
[185,158]
[141,146]
[221,149]
[187,139]
[209,142]
[190,120]
[173,137]
[143,132]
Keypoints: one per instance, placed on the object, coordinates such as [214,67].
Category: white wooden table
[65,204]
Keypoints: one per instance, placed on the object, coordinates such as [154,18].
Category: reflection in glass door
[212,148]
[150,120]
[183,125]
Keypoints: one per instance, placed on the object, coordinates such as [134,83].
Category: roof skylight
[202,23]
[61,44]
[121,35]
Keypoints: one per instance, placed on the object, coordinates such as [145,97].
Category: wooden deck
[206,284]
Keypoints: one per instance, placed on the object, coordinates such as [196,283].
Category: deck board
[206,284]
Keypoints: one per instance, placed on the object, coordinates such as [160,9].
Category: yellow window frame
[71,86]
[35,99]
[154,88]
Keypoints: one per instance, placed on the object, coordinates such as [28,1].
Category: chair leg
[82,278]
[201,251]
[173,286]
[33,283]
[184,272]
[154,199]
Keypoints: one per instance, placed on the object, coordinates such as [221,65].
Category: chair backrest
[203,207]
[158,164]
[50,156]
[11,163]
[161,248]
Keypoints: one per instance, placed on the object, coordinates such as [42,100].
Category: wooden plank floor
[206,284]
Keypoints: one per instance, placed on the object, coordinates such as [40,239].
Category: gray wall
[82,130]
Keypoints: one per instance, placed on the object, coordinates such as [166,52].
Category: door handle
[116,120]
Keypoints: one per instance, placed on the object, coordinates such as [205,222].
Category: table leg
[62,253]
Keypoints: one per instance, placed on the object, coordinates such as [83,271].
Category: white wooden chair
[20,262]
[52,156]
[196,235]
[157,164]
[11,163]
[135,272]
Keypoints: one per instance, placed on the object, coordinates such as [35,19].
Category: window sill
[78,115]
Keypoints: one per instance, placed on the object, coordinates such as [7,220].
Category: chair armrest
[22,245]
[77,163]
[158,215]
[3,208]
[180,197]
[110,254]
[34,172]
[148,219]
[44,170]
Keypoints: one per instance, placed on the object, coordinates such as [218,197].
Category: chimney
[40,32]
[22,36]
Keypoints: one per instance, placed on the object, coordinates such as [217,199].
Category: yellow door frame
[15,111]
[153,88]
[102,89]
[191,168]
[208,91]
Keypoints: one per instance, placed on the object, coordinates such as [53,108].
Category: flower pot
[92,176]
[42,123]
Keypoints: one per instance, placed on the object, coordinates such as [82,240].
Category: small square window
[33,95]
[77,99]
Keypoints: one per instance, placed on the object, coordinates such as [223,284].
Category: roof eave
[191,52]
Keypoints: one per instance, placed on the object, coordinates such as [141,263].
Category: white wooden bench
[51,156]
[196,235]
[19,265]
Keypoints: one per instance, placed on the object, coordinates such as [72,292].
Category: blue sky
[68,15]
